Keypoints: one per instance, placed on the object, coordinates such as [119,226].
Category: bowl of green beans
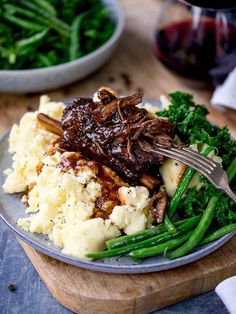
[47,44]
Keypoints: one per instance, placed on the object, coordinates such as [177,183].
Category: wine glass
[196,41]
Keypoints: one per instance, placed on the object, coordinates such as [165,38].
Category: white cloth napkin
[226,290]
[225,94]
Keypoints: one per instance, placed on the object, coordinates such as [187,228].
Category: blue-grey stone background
[32,296]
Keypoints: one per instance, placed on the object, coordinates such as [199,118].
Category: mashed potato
[28,142]
[61,202]
[132,215]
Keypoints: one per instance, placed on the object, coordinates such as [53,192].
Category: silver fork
[209,168]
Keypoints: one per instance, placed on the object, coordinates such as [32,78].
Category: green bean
[46,6]
[53,21]
[188,175]
[172,244]
[200,231]
[74,49]
[218,234]
[12,57]
[176,242]
[33,39]
[34,15]
[45,60]
[188,225]
[22,23]
[31,14]
[205,221]
[139,236]
[161,248]
[75,37]
[231,172]
[12,9]
[4,52]
[169,224]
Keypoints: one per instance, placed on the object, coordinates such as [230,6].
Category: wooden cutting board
[88,292]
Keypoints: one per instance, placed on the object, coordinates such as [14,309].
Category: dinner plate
[11,208]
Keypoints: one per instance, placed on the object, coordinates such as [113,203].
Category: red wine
[208,51]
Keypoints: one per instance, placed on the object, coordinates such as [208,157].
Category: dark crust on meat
[115,133]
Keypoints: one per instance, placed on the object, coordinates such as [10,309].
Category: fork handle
[230,193]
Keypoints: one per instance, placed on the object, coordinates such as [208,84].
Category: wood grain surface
[88,292]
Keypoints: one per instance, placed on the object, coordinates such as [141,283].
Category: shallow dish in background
[11,208]
[36,80]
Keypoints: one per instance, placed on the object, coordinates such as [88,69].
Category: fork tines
[212,170]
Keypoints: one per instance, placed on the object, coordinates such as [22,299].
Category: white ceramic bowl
[36,80]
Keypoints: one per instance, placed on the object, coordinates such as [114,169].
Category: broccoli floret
[190,205]
[192,128]
[194,203]
[225,212]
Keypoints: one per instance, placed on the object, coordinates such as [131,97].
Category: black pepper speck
[12,287]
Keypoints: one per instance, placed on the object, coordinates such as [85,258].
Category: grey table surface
[32,296]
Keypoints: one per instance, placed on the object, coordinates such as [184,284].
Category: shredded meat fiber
[116,133]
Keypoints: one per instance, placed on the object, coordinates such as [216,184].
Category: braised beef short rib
[116,133]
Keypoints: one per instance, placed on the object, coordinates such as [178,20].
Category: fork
[210,169]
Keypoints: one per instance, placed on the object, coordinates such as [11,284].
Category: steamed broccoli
[192,128]
[194,203]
